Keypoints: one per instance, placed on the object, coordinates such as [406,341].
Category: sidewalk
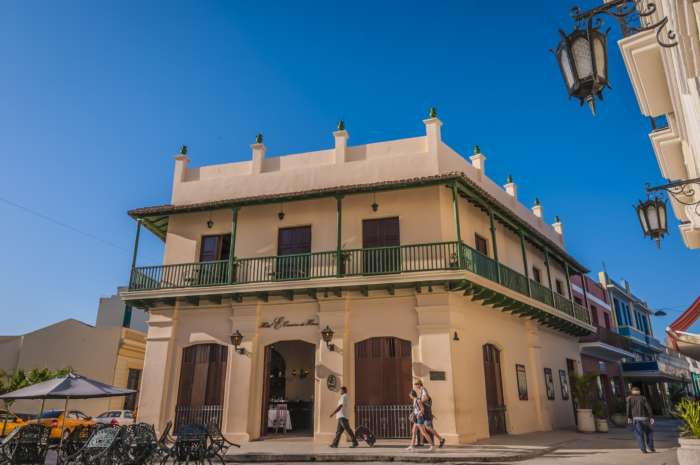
[506,448]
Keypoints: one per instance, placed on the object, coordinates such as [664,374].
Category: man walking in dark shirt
[639,415]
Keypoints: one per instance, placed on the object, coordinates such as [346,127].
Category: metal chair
[190,445]
[75,441]
[218,444]
[27,445]
[138,444]
[103,448]
[164,445]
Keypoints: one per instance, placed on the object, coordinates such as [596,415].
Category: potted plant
[582,388]
[689,451]
[619,413]
[601,417]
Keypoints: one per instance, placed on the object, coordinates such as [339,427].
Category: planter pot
[601,425]
[689,451]
[619,420]
[585,420]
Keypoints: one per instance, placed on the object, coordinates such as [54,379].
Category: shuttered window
[215,248]
[202,375]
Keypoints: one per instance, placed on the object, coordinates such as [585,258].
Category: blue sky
[97,98]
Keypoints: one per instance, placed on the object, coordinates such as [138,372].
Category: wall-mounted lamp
[375,205]
[280,215]
[236,339]
[455,337]
[210,224]
[327,335]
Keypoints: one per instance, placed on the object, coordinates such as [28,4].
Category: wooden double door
[380,243]
[383,380]
[495,405]
[200,396]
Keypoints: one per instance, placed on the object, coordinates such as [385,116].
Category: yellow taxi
[55,419]
[8,422]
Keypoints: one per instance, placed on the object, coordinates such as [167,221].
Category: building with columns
[284,278]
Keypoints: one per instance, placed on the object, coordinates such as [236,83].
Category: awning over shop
[603,351]
[655,370]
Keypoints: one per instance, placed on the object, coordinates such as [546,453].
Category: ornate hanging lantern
[583,62]
[652,218]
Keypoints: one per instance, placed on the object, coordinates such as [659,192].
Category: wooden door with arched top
[200,398]
[495,406]
[383,379]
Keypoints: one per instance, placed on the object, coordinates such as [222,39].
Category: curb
[413,458]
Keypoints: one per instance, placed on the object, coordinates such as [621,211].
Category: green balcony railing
[513,280]
[400,259]
[580,313]
[285,267]
[478,263]
[438,256]
[563,304]
[181,275]
[541,293]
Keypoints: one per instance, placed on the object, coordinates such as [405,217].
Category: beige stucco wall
[98,353]
[257,235]
[428,320]
[383,161]
[10,347]
[425,216]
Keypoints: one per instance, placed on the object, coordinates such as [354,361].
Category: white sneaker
[430,448]
[411,447]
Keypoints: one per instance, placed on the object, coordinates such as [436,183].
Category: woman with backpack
[418,420]
[427,403]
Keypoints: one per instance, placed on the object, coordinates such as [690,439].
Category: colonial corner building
[366,266]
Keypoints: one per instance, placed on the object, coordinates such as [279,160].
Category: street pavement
[563,447]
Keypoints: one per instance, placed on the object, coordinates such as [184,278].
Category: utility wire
[62,224]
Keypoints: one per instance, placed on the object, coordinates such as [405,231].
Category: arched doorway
[200,398]
[495,406]
[288,389]
[383,379]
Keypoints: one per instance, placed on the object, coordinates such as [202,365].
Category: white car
[116,417]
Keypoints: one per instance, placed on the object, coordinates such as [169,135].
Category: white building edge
[666,81]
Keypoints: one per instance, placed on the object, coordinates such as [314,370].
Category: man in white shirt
[341,414]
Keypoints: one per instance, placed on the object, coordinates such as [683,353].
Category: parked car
[116,417]
[54,419]
[8,422]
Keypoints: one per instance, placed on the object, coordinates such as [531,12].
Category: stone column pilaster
[240,416]
[332,313]
[159,383]
[434,353]
[535,377]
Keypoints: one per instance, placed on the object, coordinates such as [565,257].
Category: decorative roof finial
[183,150]
[259,138]
[341,125]
[509,179]
[557,219]
[432,113]
[537,202]
[477,149]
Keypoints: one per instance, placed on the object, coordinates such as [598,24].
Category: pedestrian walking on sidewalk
[341,414]
[640,416]
[418,420]
[427,402]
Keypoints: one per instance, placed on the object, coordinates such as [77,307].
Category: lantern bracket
[625,11]
[682,192]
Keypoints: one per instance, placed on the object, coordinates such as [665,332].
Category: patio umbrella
[70,386]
